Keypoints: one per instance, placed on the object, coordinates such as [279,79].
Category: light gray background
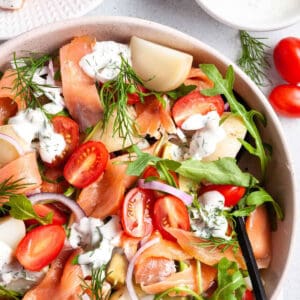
[188,17]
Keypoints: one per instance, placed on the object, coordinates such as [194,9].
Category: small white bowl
[253,15]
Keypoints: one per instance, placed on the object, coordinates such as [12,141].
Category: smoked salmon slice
[208,255]
[79,90]
[187,278]
[7,89]
[198,78]
[104,197]
[26,168]
[259,232]
[151,116]
[63,280]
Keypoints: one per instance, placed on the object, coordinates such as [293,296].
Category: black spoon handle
[247,251]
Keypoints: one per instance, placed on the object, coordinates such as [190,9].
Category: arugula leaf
[21,208]
[177,290]
[181,91]
[260,197]
[224,86]
[9,294]
[231,284]
[137,166]
[221,171]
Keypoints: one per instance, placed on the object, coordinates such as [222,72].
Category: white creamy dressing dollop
[31,124]
[208,221]
[207,135]
[11,4]
[12,275]
[97,239]
[46,84]
[104,62]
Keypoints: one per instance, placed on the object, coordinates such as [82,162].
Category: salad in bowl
[123,169]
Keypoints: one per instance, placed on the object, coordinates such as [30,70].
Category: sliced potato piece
[113,142]
[187,185]
[229,146]
[8,152]
[121,294]
[172,151]
[9,225]
[162,68]
[116,271]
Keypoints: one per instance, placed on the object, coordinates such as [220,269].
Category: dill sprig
[254,59]
[98,277]
[113,95]
[24,86]
[9,294]
[222,244]
[8,188]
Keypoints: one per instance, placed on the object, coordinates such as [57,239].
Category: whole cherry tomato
[287,59]
[286,100]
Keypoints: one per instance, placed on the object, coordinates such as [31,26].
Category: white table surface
[188,17]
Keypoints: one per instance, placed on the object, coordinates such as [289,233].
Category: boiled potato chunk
[230,145]
[162,68]
[116,271]
[8,152]
[11,231]
[111,140]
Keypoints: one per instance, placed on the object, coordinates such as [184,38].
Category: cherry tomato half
[231,193]
[285,99]
[70,131]
[287,59]
[86,164]
[136,209]
[194,103]
[170,211]
[40,246]
[42,210]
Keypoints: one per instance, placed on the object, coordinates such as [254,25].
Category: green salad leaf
[181,91]
[231,284]
[260,197]
[222,171]
[224,86]
[21,208]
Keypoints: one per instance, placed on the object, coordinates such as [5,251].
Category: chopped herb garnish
[95,287]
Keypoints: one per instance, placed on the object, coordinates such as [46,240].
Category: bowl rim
[230,22]
[118,20]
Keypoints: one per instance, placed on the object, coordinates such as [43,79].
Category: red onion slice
[129,284]
[13,142]
[160,186]
[71,204]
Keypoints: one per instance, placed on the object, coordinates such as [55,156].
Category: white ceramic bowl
[253,15]
[280,177]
